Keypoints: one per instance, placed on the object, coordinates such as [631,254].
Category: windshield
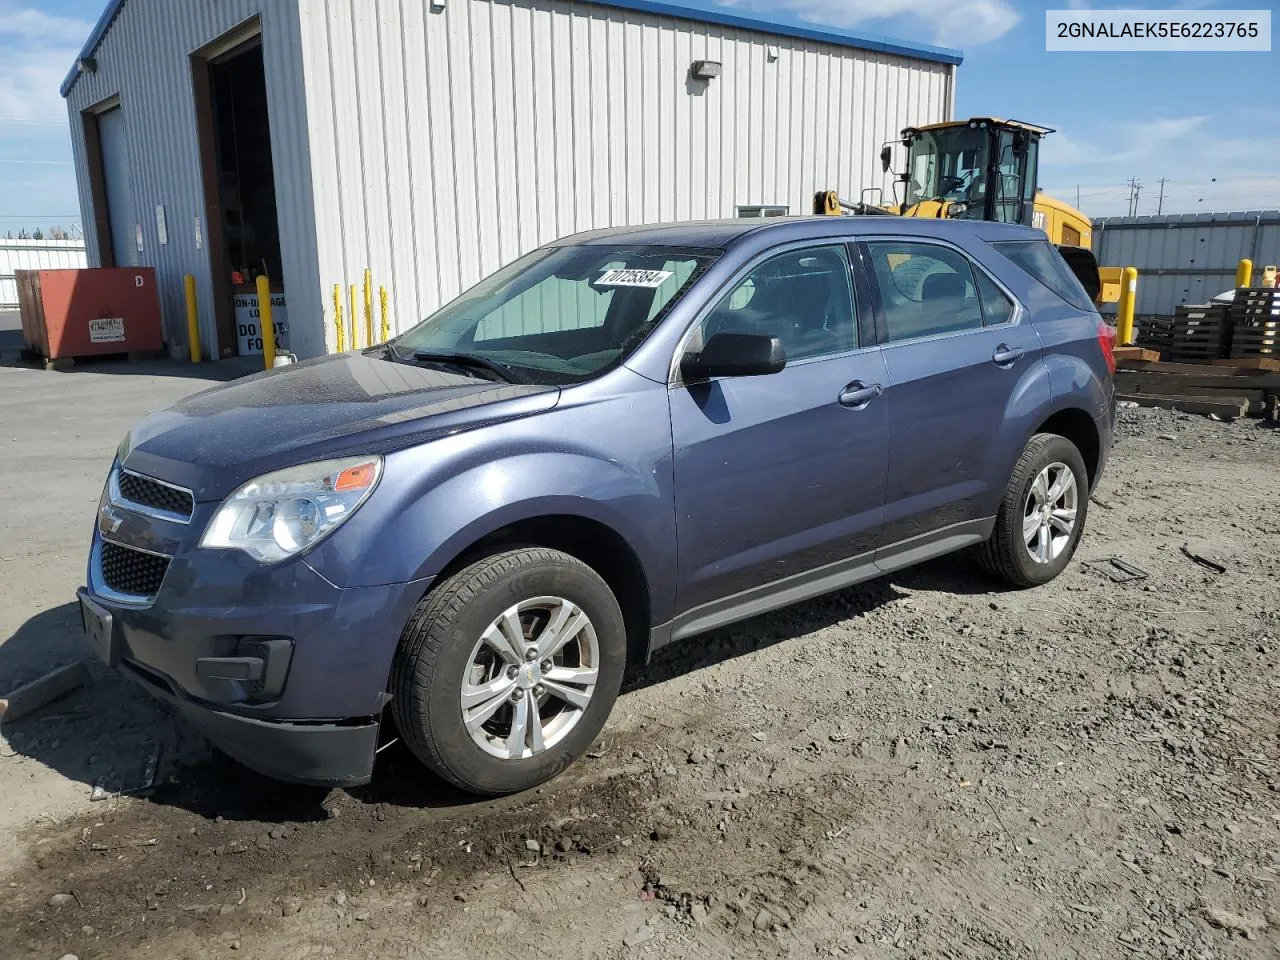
[561,315]
[949,164]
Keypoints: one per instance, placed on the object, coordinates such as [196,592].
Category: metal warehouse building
[434,142]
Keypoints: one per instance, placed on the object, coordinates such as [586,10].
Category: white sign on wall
[249,322]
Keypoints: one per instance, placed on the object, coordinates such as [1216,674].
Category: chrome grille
[132,572]
[153,494]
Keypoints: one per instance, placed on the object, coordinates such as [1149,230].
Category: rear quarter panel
[1076,372]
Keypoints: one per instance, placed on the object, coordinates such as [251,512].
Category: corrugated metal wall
[34,255]
[435,143]
[448,140]
[144,59]
[1186,258]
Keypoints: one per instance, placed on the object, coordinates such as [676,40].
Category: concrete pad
[58,433]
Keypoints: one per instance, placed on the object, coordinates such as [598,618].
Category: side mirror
[1085,266]
[735,355]
[886,155]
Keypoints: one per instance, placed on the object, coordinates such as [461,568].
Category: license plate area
[100,630]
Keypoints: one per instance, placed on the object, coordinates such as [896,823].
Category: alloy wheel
[1049,514]
[530,678]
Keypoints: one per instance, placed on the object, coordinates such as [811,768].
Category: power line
[51,163]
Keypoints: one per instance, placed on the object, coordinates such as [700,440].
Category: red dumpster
[84,313]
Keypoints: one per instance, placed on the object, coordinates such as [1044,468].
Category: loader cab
[978,169]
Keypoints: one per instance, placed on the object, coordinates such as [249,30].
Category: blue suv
[623,439]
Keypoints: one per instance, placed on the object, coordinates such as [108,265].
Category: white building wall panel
[34,255]
[447,140]
[144,59]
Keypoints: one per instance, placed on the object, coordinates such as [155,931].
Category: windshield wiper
[468,361]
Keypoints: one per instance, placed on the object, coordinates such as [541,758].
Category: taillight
[1107,340]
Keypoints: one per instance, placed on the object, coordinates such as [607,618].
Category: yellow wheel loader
[983,168]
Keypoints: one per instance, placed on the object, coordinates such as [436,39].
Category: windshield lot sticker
[633,278]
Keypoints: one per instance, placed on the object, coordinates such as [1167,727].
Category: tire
[449,642]
[1007,554]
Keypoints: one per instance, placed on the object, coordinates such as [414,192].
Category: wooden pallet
[1218,368]
[1135,353]
[1200,387]
[1253,304]
[1255,322]
[1267,364]
[1154,333]
[1200,333]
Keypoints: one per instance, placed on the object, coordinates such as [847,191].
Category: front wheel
[508,670]
[1041,516]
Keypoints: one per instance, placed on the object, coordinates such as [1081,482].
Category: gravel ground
[925,766]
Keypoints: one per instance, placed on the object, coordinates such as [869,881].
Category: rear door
[957,349]
[779,475]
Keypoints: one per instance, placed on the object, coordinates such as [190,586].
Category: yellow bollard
[337,318]
[1124,309]
[386,321]
[368,307]
[266,325]
[355,323]
[193,318]
[1244,273]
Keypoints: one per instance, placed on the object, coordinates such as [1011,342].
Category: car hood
[348,404]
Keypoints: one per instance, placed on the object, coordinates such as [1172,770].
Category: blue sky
[1209,123]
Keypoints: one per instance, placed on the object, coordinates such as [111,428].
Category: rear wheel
[508,670]
[1041,516]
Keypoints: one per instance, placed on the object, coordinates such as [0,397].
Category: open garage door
[118,195]
[239,186]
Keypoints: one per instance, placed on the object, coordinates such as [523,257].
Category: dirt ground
[925,766]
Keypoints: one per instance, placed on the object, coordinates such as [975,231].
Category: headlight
[283,513]
[126,445]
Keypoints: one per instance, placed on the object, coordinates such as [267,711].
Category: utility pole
[1160,202]
[1077,196]
[1135,188]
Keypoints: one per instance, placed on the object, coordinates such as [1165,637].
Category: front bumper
[317,722]
[317,753]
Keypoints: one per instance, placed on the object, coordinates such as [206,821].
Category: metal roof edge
[91,45]
[708,12]
[697,10]
[1189,219]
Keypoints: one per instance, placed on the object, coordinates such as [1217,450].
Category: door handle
[857,394]
[1006,355]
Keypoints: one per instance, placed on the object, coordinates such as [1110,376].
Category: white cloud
[36,51]
[1204,167]
[952,23]
[36,26]
[1127,143]
[29,83]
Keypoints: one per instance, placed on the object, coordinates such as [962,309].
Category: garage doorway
[107,153]
[239,182]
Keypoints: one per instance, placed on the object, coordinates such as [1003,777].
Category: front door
[956,355]
[778,475]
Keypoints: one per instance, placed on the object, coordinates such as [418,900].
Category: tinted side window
[925,289]
[997,308]
[803,297]
[1042,261]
